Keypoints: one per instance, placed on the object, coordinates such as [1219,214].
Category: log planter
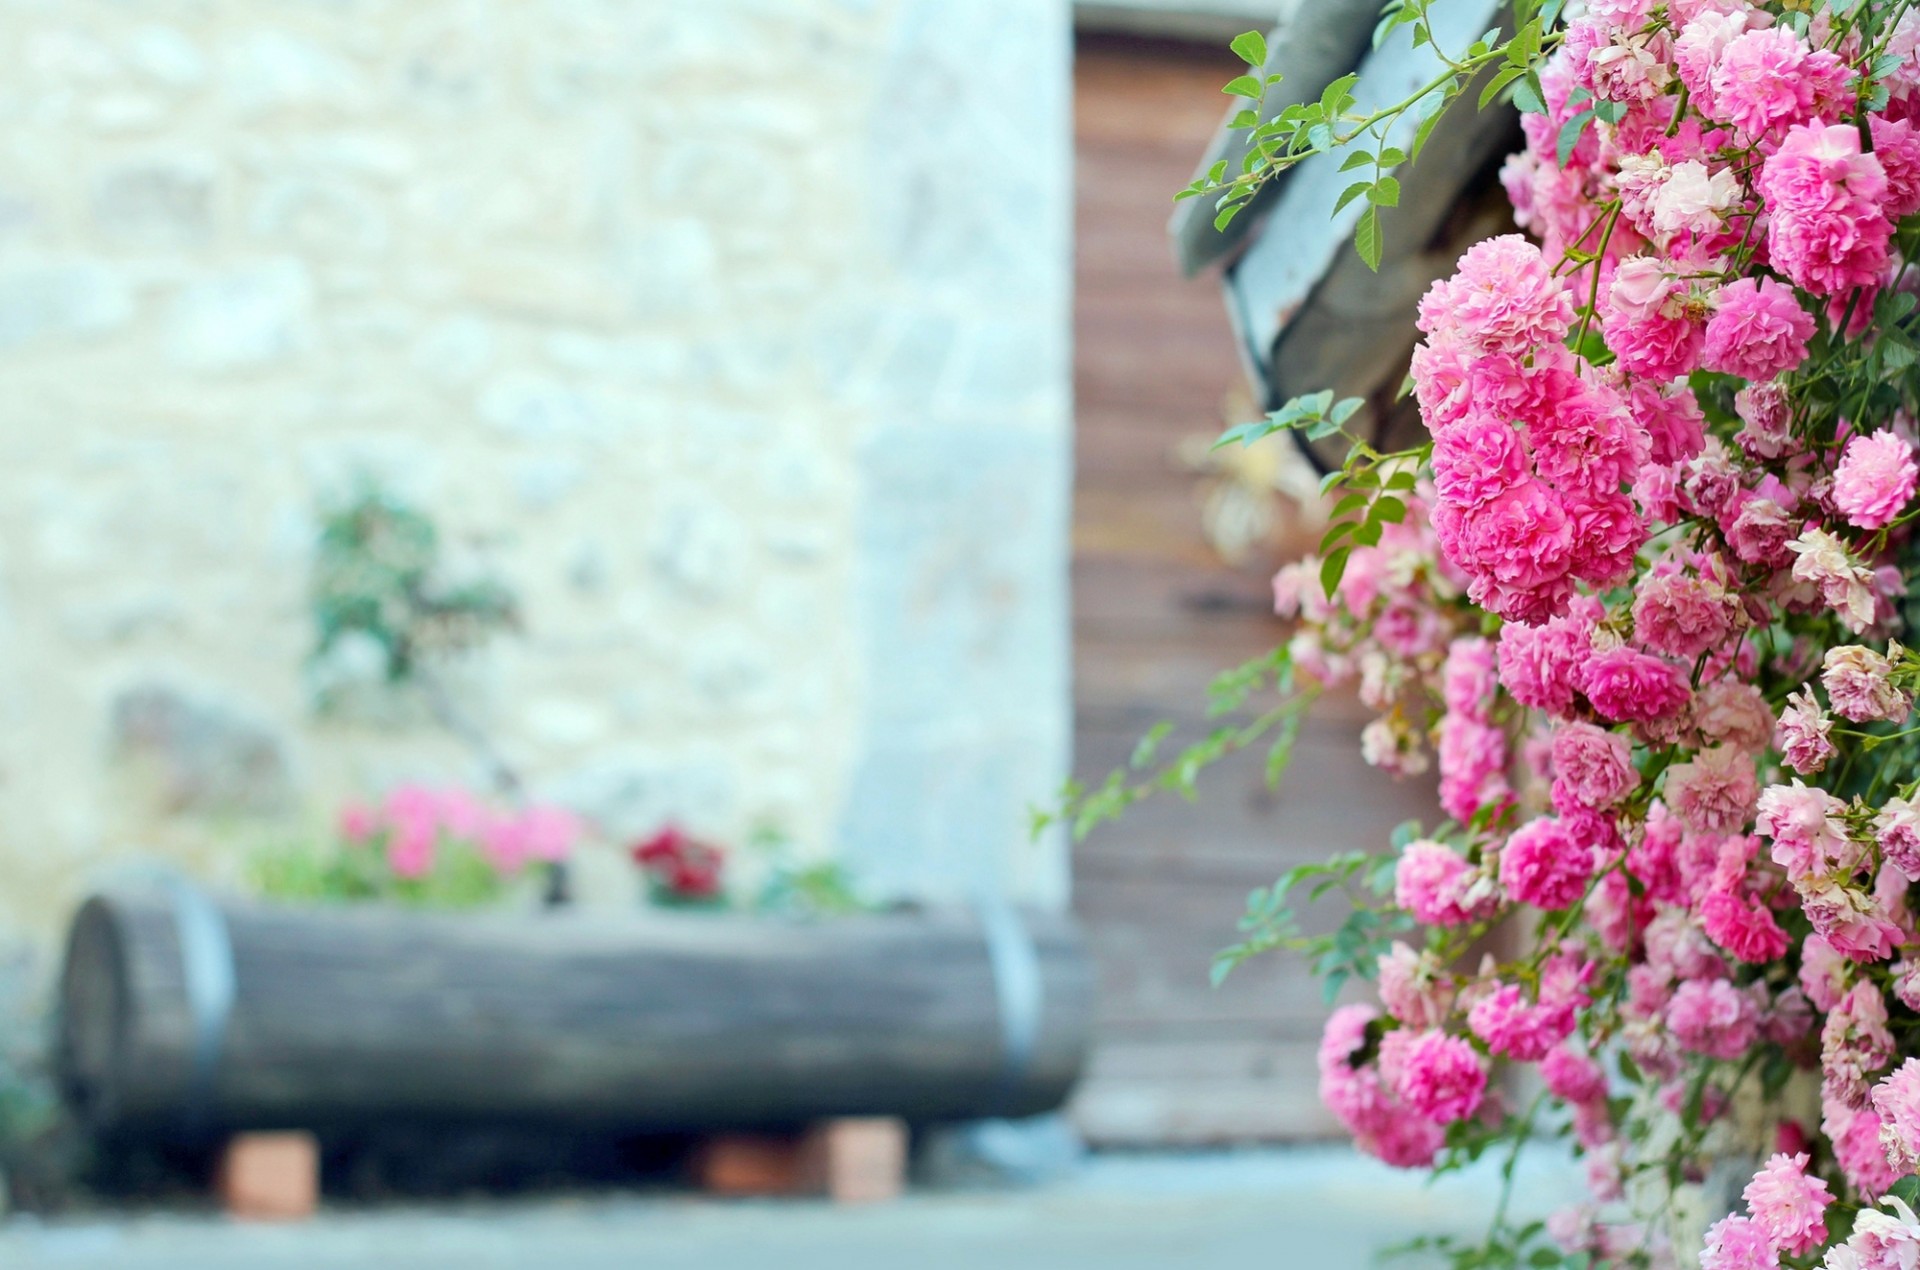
[184,1017]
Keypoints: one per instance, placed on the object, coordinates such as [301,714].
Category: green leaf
[1245,434]
[1149,745]
[1332,569]
[1570,136]
[1352,192]
[1358,159]
[1426,129]
[1528,95]
[1367,240]
[1225,218]
[1390,510]
[1498,82]
[1338,95]
[1385,193]
[1251,46]
[1611,111]
[1349,504]
[1244,86]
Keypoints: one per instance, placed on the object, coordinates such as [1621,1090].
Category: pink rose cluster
[1531,462]
[1387,630]
[413,822]
[1644,618]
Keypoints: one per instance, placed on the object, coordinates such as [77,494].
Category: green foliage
[1376,482]
[1352,949]
[1523,1247]
[339,873]
[1279,139]
[378,575]
[823,889]
[1082,808]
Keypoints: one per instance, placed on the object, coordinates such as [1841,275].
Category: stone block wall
[733,335]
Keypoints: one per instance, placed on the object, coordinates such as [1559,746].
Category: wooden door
[1156,616]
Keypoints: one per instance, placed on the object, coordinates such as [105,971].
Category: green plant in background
[378,576]
[818,888]
[313,872]
[381,585]
[428,847]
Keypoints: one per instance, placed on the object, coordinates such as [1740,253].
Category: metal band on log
[182,1016]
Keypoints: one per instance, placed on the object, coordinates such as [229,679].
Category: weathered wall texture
[732,334]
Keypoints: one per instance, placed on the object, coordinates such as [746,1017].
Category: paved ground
[1319,1208]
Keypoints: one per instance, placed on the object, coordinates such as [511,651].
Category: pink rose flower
[1413,988]
[1809,832]
[1573,1078]
[1896,1100]
[1441,1077]
[1742,927]
[1540,665]
[1514,1026]
[1732,713]
[1712,1017]
[1880,1241]
[1823,973]
[1477,460]
[1592,767]
[1757,331]
[1854,1043]
[1897,829]
[1759,531]
[1436,884]
[1674,423]
[1697,50]
[1716,791]
[1860,687]
[1896,143]
[1738,1243]
[1874,479]
[1360,1099]
[1843,583]
[1473,766]
[1543,866]
[1855,1134]
[1651,324]
[1502,296]
[1468,683]
[1790,1206]
[1768,79]
[1629,686]
[1682,615]
[1803,733]
[1828,229]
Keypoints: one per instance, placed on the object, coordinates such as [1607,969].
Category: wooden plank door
[1156,616]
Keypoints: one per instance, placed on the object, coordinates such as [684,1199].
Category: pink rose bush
[1638,605]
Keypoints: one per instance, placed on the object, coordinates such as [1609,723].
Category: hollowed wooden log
[184,1017]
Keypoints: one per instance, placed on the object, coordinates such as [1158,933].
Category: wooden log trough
[186,1018]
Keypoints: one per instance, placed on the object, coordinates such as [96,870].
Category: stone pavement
[1319,1207]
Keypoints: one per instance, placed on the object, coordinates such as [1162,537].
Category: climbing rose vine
[1638,604]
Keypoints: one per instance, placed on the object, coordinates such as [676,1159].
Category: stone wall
[732,335]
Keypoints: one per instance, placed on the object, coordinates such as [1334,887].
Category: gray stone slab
[1320,1208]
